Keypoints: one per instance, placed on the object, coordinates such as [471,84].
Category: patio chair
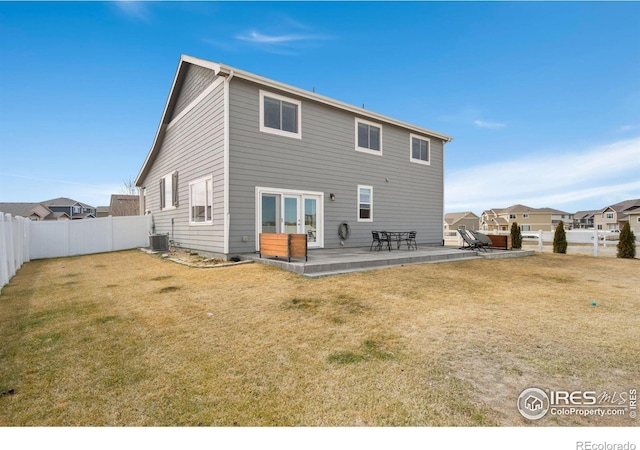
[485,240]
[379,238]
[411,240]
[471,242]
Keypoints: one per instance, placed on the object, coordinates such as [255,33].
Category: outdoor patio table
[397,236]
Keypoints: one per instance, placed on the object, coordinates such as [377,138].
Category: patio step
[324,262]
[320,269]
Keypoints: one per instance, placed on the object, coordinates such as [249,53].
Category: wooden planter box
[500,241]
[284,245]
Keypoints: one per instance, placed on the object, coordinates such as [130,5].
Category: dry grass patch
[136,340]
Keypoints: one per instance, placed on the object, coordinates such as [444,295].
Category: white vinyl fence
[591,241]
[22,240]
[14,246]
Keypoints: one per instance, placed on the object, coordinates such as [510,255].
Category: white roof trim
[224,70]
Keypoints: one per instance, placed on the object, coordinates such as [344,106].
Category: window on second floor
[280,115]
[525,216]
[420,149]
[368,137]
[512,216]
[609,215]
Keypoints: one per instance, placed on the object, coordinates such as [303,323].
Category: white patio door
[288,211]
[290,219]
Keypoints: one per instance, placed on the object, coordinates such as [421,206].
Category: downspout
[442,227]
[227,214]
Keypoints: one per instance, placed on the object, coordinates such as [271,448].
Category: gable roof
[513,209]
[64,201]
[585,214]
[453,218]
[124,205]
[622,207]
[24,209]
[230,72]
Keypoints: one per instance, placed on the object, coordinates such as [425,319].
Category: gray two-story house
[237,154]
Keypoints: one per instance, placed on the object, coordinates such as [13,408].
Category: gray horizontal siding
[195,82]
[325,160]
[194,146]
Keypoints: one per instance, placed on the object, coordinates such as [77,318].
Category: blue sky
[542,99]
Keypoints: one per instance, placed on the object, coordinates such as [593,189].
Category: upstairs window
[368,137]
[280,115]
[420,149]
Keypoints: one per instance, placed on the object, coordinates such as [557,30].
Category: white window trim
[364,149]
[168,199]
[422,138]
[276,131]
[200,180]
[370,219]
[525,216]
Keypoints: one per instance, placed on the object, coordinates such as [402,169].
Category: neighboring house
[124,205]
[528,219]
[461,220]
[32,211]
[613,217]
[583,220]
[634,222]
[74,209]
[102,211]
[236,154]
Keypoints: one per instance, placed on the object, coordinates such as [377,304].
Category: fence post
[11,260]
[110,232]
[595,242]
[4,254]
[540,241]
[67,226]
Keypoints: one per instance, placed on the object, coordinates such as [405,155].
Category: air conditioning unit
[159,242]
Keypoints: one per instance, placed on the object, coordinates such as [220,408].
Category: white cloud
[259,38]
[627,128]
[134,9]
[552,180]
[491,125]
[290,39]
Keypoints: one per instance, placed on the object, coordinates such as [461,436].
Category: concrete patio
[324,262]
